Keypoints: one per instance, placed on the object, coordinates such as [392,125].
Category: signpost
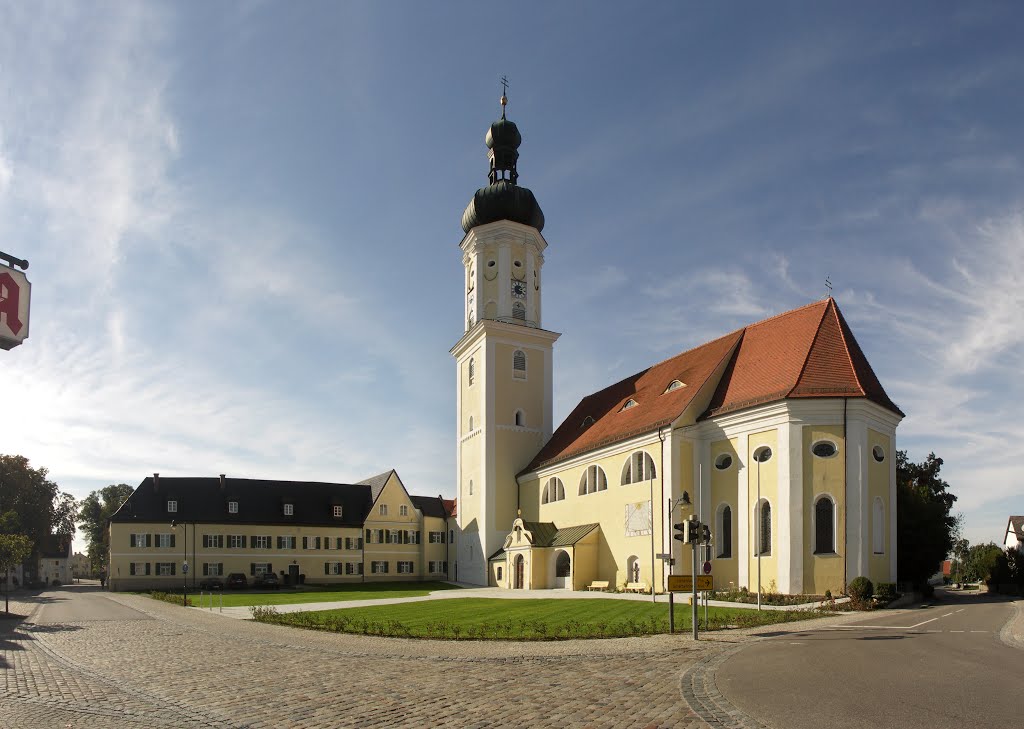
[15,292]
[695,534]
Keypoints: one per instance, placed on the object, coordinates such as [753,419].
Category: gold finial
[519,512]
[504,91]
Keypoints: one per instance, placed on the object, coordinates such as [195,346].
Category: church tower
[504,358]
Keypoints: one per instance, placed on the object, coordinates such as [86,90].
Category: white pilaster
[856,501]
[745,505]
[786,525]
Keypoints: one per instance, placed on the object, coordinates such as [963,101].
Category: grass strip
[542,619]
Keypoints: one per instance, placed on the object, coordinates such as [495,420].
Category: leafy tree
[94,513]
[925,529]
[31,504]
[982,561]
[961,550]
[14,549]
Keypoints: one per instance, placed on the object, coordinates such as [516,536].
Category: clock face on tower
[518,289]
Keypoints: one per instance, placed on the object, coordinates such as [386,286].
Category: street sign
[184,568]
[707,567]
[15,292]
[684,583]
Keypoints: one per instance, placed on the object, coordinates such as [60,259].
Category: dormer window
[289,509]
[587,421]
[674,385]
[172,507]
[232,507]
[337,512]
[630,403]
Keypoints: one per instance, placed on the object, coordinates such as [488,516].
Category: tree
[31,504]
[982,561]
[14,549]
[94,514]
[925,529]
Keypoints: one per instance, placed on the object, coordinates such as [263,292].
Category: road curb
[1012,633]
[699,689]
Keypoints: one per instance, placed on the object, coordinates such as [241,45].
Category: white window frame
[172,506]
[337,512]
[403,510]
[232,507]
[814,522]
[262,542]
[405,567]
[289,509]
[236,541]
[163,569]
[382,510]
[593,480]
[638,468]
[554,490]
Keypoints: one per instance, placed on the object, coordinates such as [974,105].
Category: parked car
[211,583]
[237,581]
[267,581]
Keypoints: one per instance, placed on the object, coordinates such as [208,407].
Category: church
[778,435]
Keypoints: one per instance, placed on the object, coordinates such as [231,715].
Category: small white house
[1014,536]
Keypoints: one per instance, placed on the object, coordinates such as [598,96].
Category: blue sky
[243,219]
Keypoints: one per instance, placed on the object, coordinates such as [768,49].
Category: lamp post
[184,563]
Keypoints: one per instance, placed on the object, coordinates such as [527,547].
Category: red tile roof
[451,507]
[804,353]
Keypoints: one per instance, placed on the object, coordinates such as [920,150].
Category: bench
[601,585]
[637,587]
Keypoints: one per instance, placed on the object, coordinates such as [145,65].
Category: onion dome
[503,199]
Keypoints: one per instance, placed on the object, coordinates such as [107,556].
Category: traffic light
[688,531]
[682,532]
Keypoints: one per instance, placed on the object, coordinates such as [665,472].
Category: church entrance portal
[518,584]
[563,570]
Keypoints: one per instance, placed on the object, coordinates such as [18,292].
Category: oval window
[723,461]
[762,454]
[824,449]
[490,264]
[878,454]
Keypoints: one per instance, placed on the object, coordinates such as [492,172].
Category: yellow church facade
[778,435]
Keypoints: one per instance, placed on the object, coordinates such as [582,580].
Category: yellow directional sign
[684,583]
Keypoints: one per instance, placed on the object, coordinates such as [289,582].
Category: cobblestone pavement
[177,667]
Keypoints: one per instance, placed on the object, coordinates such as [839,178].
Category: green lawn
[487,618]
[361,591]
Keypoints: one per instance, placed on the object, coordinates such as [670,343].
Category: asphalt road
[939,665]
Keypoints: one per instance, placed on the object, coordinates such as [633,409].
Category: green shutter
[305,541]
[327,568]
[206,569]
[148,542]
[147,568]
[131,568]
[172,540]
[173,565]
[252,569]
[252,542]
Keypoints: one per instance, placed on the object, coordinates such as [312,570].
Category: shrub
[886,591]
[171,597]
[55,583]
[860,590]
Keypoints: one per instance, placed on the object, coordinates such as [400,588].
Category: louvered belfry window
[519,364]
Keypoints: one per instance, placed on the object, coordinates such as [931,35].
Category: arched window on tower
[519,364]
[519,311]
[472,371]
[520,419]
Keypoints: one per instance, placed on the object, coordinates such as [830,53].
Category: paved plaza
[85,658]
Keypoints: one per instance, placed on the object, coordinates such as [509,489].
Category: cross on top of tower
[504,92]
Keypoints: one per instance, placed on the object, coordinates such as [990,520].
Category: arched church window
[593,480]
[470,487]
[470,423]
[824,526]
[519,311]
[519,364]
[520,419]
[554,490]
[878,526]
[764,531]
[724,531]
[638,467]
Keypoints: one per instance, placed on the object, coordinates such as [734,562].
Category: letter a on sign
[14,299]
